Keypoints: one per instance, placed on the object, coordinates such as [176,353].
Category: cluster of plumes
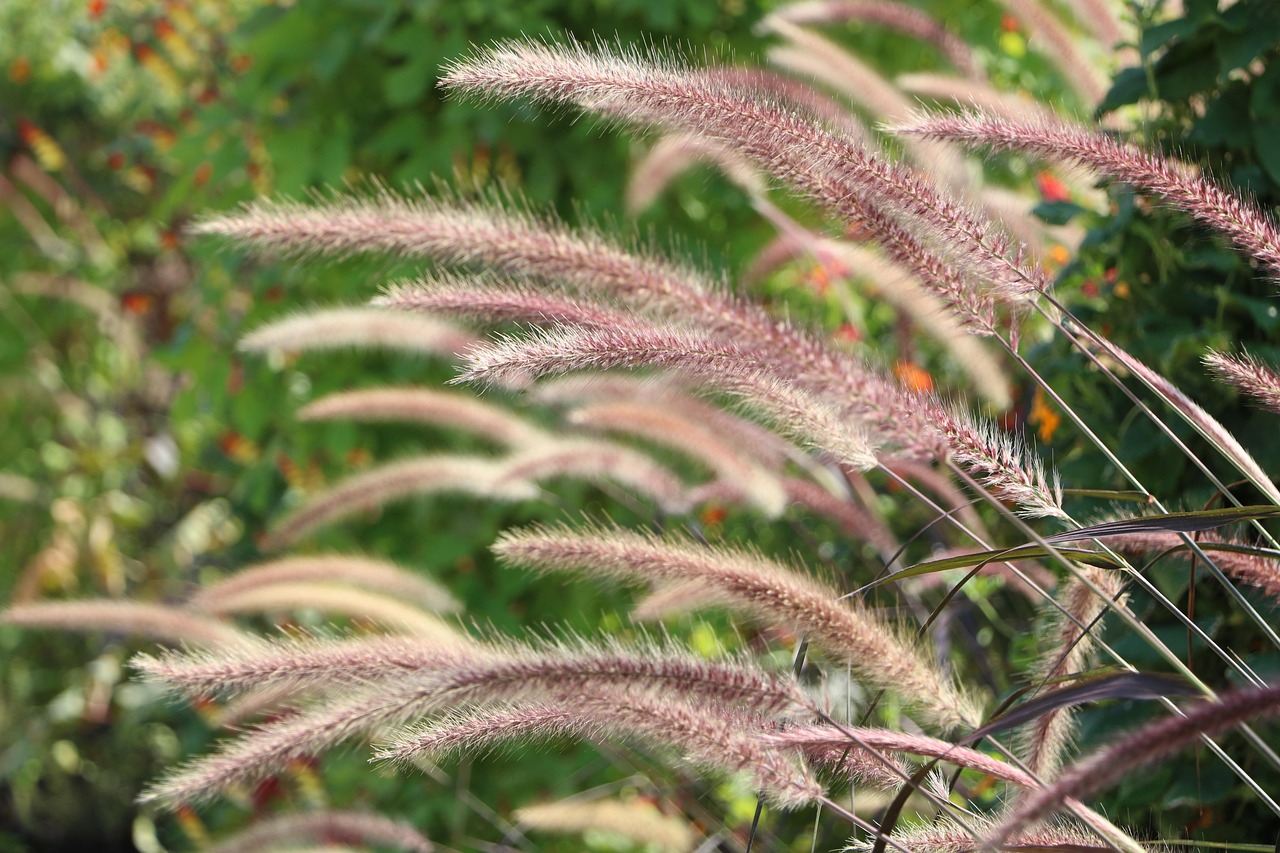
[359,686]
[366,590]
[652,314]
[581,301]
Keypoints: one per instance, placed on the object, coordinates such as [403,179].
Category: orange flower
[192,826]
[238,448]
[1043,417]
[713,516]
[135,302]
[1058,256]
[820,279]
[47,152]
[20,70]
[913,376]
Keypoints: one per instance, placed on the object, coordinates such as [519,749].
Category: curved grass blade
[1170,522]
[981,558]
[1132,495]
[1123,685]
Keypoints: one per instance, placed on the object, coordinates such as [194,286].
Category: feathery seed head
[746,581]
[999,462]
[396,480]
[129,618]
[354,569]
[1144,746]
[1229,212]
[359,327]
[430,406]
[1249,376]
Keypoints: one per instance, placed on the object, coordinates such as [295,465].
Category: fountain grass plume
[902,17]
[354,569]
[729,463]
[718,364]
[506,673]
[768,449]
[856,185]
[748,582]
[706,735]
[1000,462]
[1225,210]
[1248,375]
[303,662]
[944,835]
[360,605]
[597,461]
[827,743]
[129,618]
[1258,567]
[393,481]
[808,54]
[676,153]
[427,406]
[1075,630]
[1064,49]
[489,301]
[370,328]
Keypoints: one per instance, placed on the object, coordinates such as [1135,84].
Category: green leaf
[1249,29]
[1264,94]
[1226,121]
[407,83]
[1108,494]
[332,55]
[293,156]
[1161,34]
[1173,522]
[1266,136]
[335,152]
[1186,70]
[1057,212]
[1129,87]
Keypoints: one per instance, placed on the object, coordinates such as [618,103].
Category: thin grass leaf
[1170,522]
[981,558]
[1123,685]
